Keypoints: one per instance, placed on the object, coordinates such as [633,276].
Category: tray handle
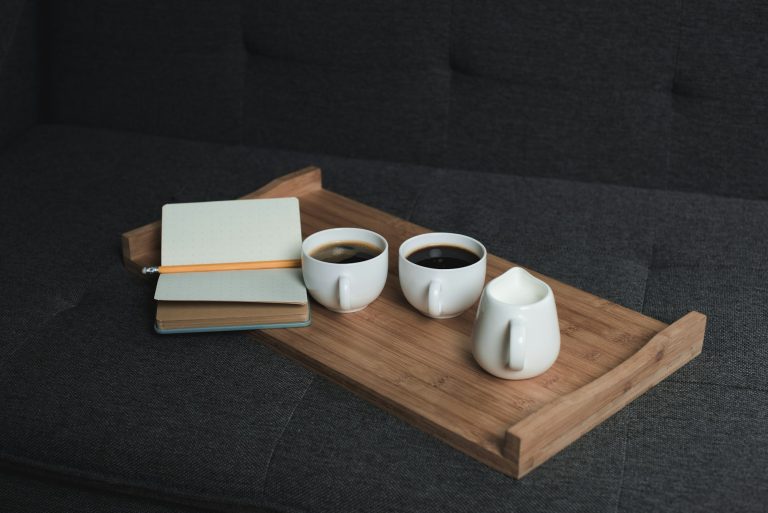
[141,246]
[536,438]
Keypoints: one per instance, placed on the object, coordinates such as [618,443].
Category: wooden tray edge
[142,244]
[530,442]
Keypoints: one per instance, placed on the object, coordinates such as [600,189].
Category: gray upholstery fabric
[18,67]
[668,95]
[369,80]
[91,393]
[173,67]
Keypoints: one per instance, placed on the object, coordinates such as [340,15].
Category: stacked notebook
[231,232]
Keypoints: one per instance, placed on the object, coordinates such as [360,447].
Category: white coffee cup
[441,293]
[516,333]
[344,288]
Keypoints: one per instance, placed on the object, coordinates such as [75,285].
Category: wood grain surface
[422,369]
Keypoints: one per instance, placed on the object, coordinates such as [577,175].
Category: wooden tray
[422,369]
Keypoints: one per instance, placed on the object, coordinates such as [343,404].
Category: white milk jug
[516,333]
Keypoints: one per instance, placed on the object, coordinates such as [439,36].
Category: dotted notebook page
[219,232]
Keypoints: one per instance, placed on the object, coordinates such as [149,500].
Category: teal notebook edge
[250,327]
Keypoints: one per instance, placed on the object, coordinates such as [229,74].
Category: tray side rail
[535,439]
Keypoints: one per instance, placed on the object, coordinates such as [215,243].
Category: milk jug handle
[517,348]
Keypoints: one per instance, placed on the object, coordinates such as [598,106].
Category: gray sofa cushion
[659,94]
[91,393]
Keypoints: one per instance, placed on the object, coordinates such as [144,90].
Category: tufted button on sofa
[619,147]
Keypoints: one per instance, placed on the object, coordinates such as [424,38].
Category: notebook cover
[256,230]
[214,232]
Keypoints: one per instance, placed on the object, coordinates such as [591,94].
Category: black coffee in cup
[346,252]
[443,256]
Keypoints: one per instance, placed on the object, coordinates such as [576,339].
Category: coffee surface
[443,257]
[345,252]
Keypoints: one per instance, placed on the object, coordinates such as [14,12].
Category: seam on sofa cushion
[169,490]
[12,34]
[650,268]
[35,478]
[415,204]
[9,352]
[282,432]
[623,463]
[648,274]
[629,419]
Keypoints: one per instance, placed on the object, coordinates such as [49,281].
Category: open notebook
[231,232]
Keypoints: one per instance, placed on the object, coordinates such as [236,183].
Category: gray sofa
[619,147]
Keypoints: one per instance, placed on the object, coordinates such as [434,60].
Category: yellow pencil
[235,266]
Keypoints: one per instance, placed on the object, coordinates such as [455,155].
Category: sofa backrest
[658,93]
[18,68]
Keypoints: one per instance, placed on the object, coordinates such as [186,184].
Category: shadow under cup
[442,293]
[344,287]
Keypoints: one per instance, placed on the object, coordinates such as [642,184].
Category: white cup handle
[344,292]
[517,330]
[433,303]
